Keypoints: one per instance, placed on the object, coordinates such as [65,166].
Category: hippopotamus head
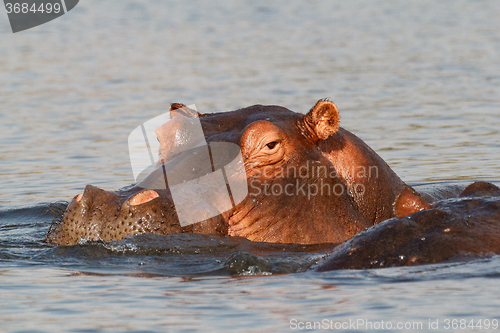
[307,179]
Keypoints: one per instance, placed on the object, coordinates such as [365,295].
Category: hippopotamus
[309,181]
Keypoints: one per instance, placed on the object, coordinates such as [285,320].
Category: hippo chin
[309,181]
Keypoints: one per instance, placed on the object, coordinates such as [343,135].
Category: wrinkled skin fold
[309,181]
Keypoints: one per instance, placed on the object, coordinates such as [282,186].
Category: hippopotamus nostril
[143,197]
[74,202]
[95,193]
[91,197]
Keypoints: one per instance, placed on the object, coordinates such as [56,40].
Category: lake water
[418,81]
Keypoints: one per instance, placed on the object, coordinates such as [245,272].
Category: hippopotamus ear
[408,202]
[322,120]
[178,108]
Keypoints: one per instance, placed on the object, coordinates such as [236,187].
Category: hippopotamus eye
[271,145]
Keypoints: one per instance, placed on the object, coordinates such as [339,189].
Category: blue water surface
[418,81]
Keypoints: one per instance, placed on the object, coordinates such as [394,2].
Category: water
[418,81]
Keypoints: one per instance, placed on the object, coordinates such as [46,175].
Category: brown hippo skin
[450,230]
[355,188]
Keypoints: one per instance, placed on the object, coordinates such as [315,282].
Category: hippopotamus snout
[97,214]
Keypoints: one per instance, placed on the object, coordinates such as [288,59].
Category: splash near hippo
[269,174]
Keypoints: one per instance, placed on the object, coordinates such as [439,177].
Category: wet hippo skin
[358,191]
[450,229]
